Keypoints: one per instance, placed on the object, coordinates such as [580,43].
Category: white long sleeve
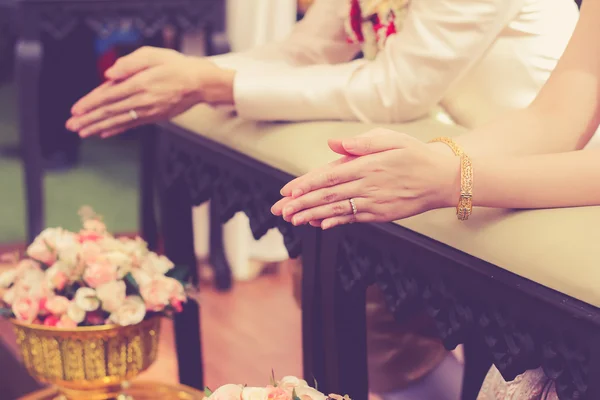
[440,42]
[319,38]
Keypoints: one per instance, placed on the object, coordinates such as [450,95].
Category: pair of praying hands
[382,176]
[149,85]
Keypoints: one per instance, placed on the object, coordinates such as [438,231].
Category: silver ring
[134,115]
[354,210]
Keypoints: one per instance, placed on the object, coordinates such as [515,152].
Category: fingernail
[298,220]
[349,144]
[287,211]
[325,225]
[297,192]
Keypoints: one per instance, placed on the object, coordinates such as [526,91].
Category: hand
[389,175]
[149,85]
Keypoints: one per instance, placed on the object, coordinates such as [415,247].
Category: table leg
[313,350]
[344,326]
[218,259]
[477,364]
[148,156]
[177,234]
[28,60]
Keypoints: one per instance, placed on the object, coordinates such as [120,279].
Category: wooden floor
[245,333]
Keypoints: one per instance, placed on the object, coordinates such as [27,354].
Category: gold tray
[138,391]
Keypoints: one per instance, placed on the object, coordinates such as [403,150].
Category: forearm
[538,181]
[534,130]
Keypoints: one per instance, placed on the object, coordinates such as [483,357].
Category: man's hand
[149,85]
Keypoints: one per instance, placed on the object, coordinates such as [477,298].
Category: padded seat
[557,248]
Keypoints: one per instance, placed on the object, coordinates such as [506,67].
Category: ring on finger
[354,210]
[133,114]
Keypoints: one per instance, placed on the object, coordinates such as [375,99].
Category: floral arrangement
[89,278]
[371,22]
[288,388]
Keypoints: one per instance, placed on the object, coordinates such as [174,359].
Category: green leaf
[6,312]
[295,396]
[179,272]
[273,381]
[131,281]
[207,392]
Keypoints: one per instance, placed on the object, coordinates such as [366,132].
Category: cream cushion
[557,248]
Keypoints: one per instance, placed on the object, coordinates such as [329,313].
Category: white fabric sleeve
[440,41]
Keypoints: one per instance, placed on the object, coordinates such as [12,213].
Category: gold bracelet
[450,143]
[465,201]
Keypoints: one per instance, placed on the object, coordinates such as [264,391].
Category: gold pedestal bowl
[92,363]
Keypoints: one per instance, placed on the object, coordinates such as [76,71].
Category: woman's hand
[149,85]
[389,175]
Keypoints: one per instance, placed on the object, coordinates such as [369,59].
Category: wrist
[215,85]
[450,193]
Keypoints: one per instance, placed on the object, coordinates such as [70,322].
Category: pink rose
[131,312]
[25,309]
[51,320]
[161,291]
[66,323]
[90,253]
[276,393]
[111,295]
[227,392]
[57,305]
[100,273]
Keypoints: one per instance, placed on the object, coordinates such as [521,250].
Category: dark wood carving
[518,327]
[231,185]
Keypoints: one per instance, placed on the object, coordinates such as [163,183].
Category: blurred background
[104,174]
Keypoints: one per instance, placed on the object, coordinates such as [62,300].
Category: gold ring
[133,114]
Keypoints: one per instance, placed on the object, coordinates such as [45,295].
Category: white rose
[309,393]
[112,295]
[254,393]
[67,248]
[75,313]
[137,249]
[131,312]
[57,276]
[42,249]
[155,264]
[142,278]
[123,262]
[7,278]
[227,392]
[291,382]
[9,296]
[86,299]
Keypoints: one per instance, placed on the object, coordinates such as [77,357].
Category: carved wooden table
[501,316]
[58,18]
